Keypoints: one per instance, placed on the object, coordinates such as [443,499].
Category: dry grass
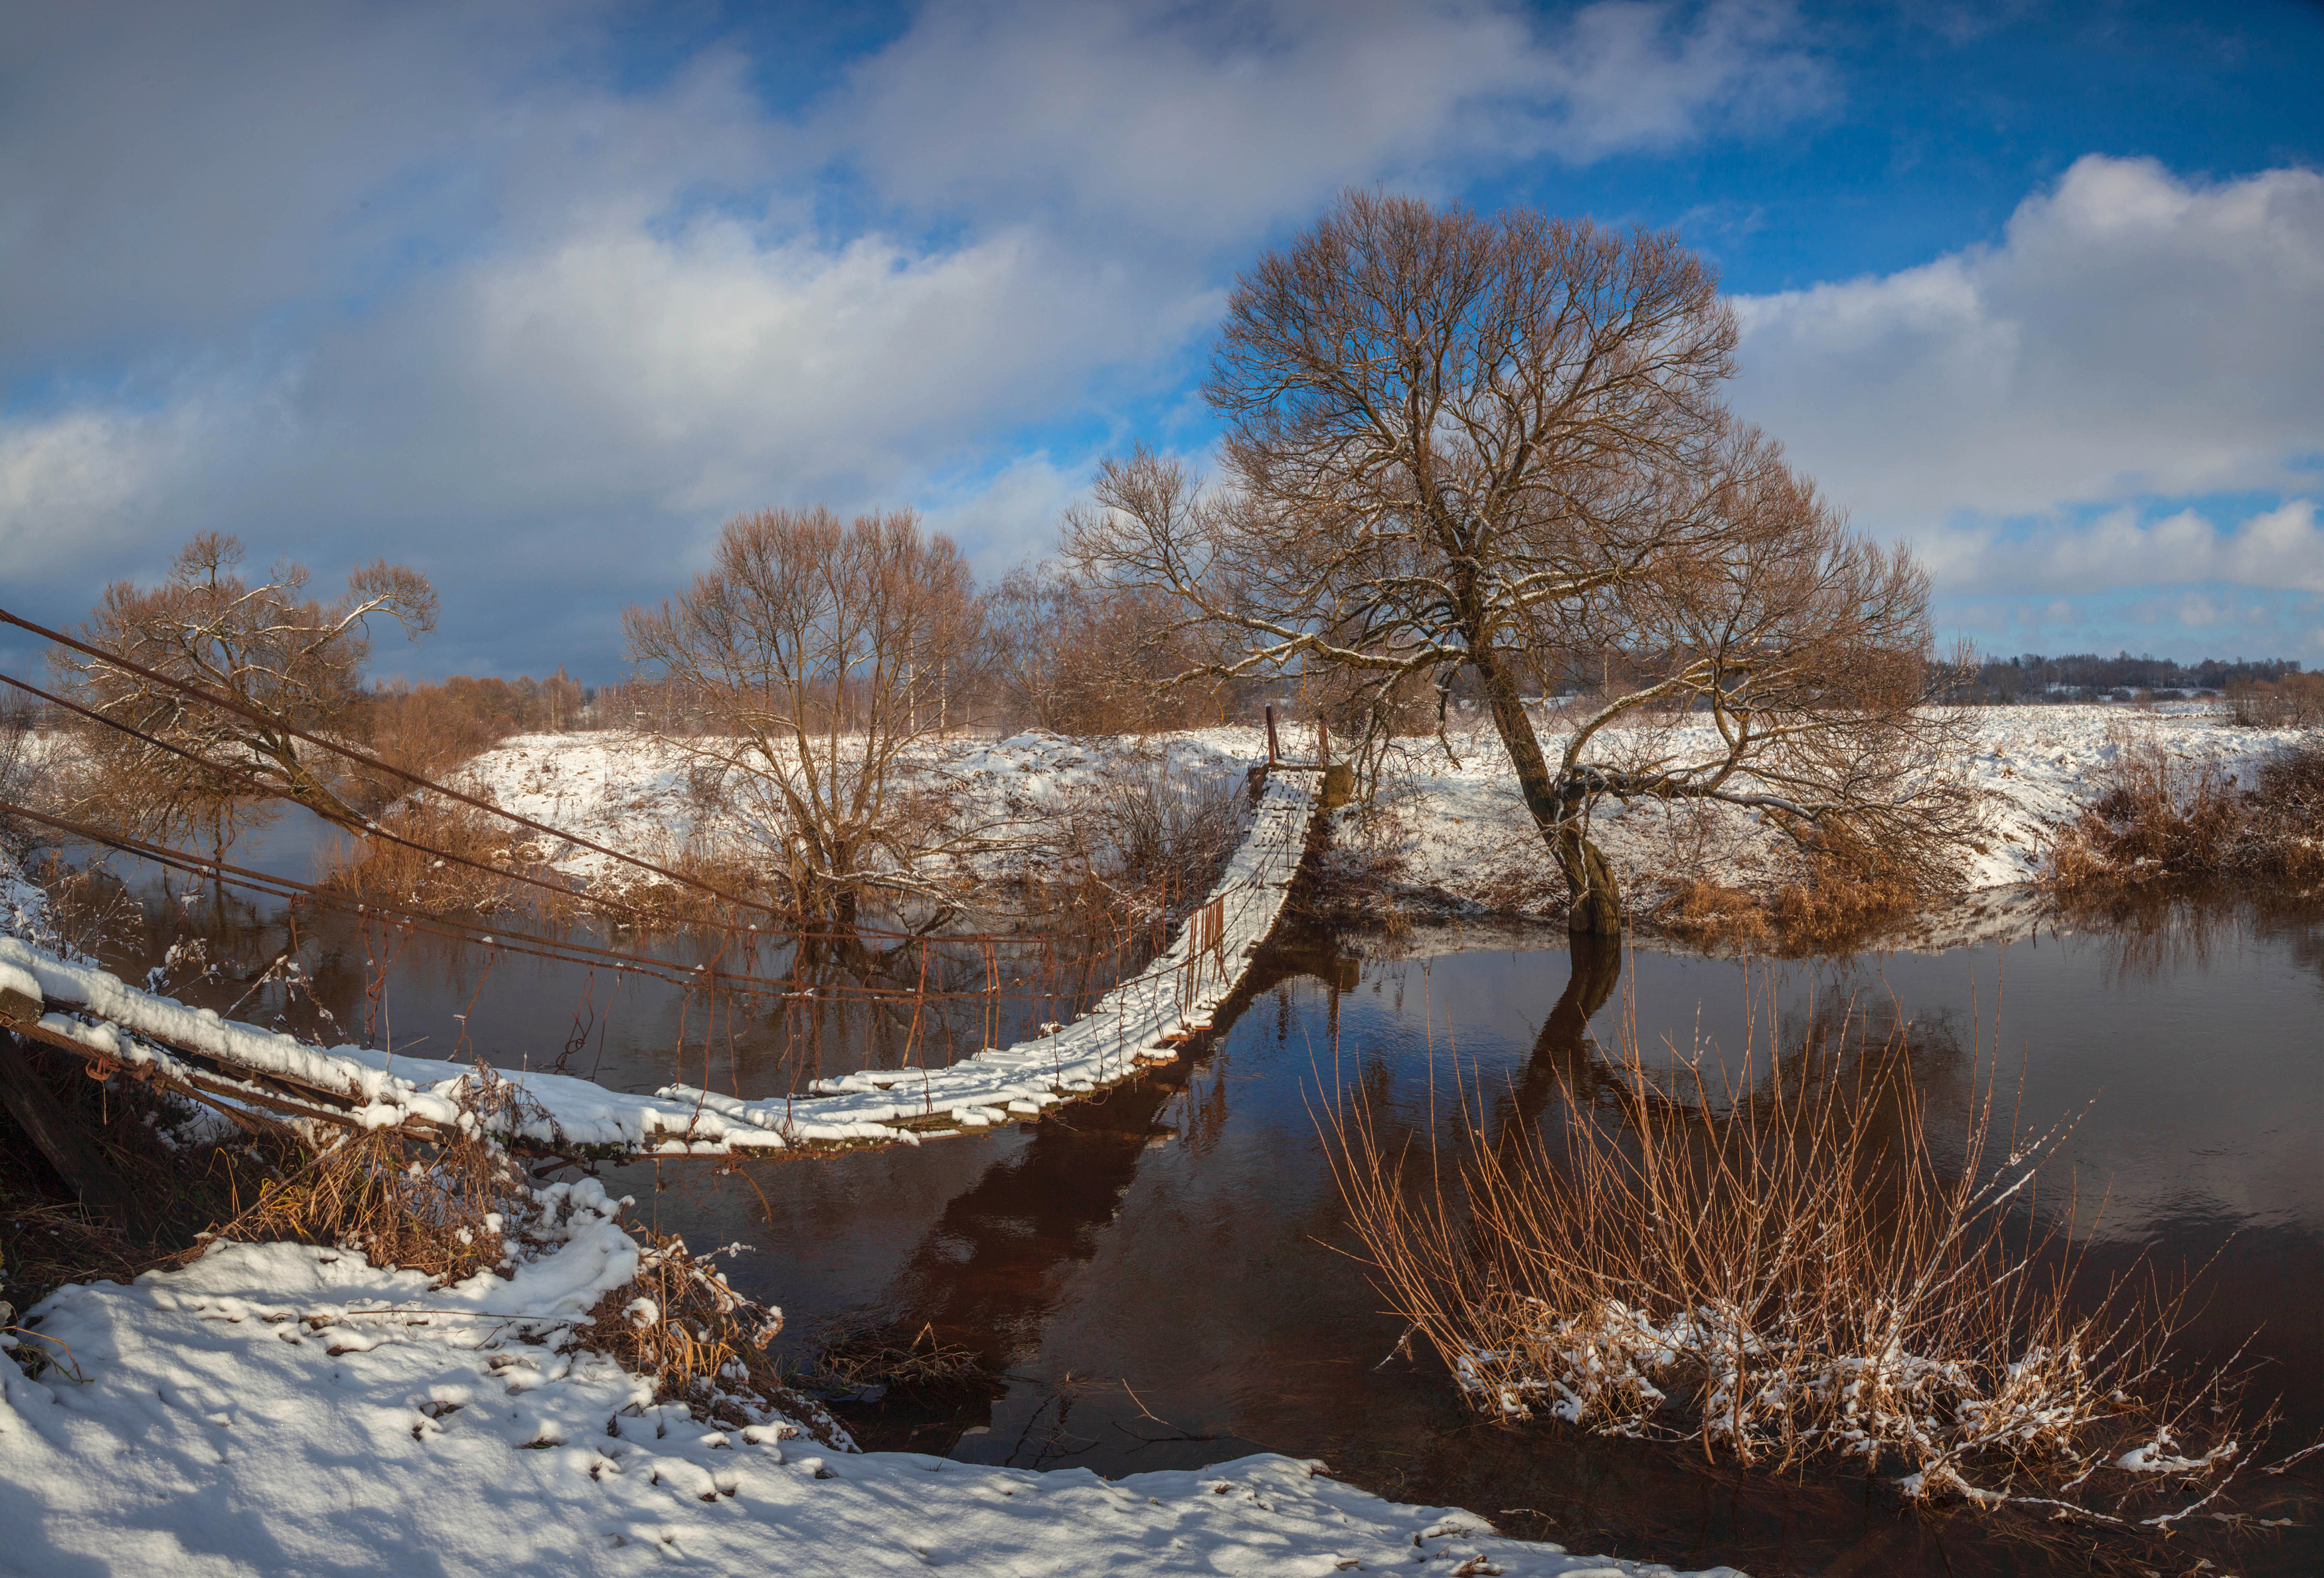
[679,1323]
[1781,1271]
[453,1210]
[2162,817]
[447,1211]
[1841,903]
[1713,912]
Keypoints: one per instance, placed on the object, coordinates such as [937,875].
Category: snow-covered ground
[1462,836]
[1455,836]
[1003,799]
[280,1408]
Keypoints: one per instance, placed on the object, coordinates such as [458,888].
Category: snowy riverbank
[281,1408]
[1442,836]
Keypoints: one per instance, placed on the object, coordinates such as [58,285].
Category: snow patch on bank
[1461,835]
[280,1408]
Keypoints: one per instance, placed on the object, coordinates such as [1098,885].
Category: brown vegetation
[431,729]
[2162,817]
[1076,656]
[826,651]
[279,662]
[1783,1271]
[450,1211]
[2292,701]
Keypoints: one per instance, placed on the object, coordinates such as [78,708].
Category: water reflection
[1164,1274]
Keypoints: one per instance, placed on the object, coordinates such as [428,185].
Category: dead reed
[1781,1269]
[2162,817]
[679,1323]
[449,1209]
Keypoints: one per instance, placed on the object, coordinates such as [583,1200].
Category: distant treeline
[2087,676]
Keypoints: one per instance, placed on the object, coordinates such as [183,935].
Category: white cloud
[2134,333]
[2281,550]
[429,279]
[1198,125]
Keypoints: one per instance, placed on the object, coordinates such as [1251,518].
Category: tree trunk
[1597,897]
[1597,908]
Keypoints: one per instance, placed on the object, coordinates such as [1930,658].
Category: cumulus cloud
[441,281]
[2133,334]
[1204,124]
[2277,549]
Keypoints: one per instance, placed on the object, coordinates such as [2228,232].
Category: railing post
[1272,753]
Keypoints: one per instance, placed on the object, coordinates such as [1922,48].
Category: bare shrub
[19,772]
[462,863]
[679,1323]
[1078,656]
[431,729]
[2162,817]
[1161,827]
[2286,807]
[1781,1270]
[2292,701]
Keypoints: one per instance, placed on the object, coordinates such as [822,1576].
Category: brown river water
[1164,1277]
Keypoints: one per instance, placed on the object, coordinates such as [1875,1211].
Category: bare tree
[293,662]
[1497,445]
[824,652]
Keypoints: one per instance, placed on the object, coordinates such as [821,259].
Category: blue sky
[534,296]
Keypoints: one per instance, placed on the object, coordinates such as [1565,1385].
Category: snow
[1462,836]
[284,1409]
[632,793]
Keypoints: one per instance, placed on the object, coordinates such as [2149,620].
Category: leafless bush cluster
[1781,1270]
[19,770]
[2294,701]
[454,860]
[679,1323]
[1077,656]
[1160,830]
[2161,818]
[431,729]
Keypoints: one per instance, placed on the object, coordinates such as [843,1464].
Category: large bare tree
[826,653]
[287,661]
[1496,444]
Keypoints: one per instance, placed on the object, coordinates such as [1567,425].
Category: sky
[533,297]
